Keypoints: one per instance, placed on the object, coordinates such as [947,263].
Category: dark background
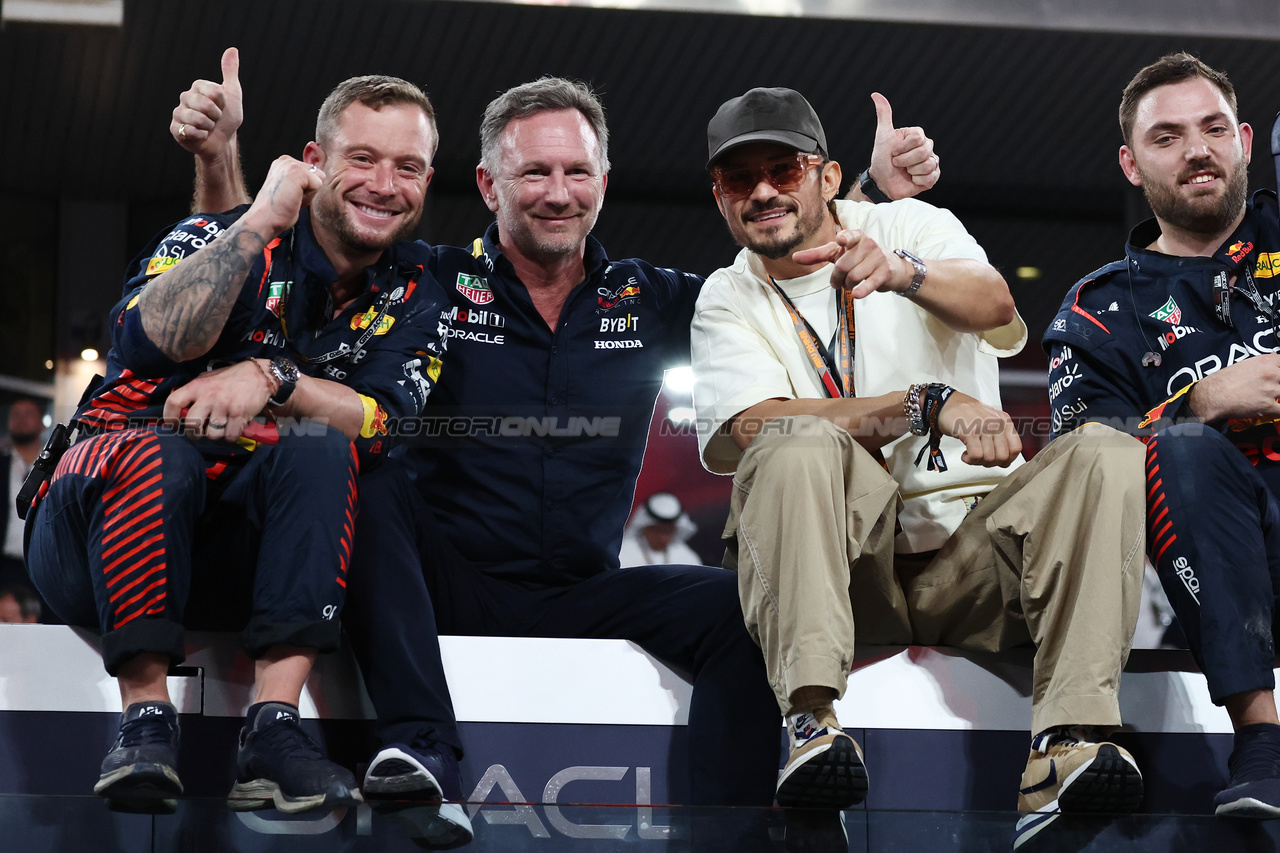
[1024,120]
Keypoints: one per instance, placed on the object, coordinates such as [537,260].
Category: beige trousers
[1052,556]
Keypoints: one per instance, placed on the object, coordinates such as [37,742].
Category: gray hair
[374,91]
[542,95]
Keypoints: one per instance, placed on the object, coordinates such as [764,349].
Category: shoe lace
[145,731]
[287,739]
[1064,737]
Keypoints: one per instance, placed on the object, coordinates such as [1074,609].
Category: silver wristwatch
[287,374]
[918,278]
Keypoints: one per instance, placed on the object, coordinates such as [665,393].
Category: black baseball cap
[766,115]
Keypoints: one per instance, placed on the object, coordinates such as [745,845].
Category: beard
[777,246]
[24,436]
[517,221]
[327,208]
[1206,214]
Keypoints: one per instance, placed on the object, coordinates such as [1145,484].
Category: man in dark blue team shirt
[1177,345]
[508,515]
[317,318]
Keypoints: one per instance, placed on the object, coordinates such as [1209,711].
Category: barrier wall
[580,721]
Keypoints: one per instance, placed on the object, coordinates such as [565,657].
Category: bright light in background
[109,13]
[48,364]
[679,380]
[682,415]
[47,420]
[89,354]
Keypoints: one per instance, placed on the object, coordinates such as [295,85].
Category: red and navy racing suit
[1125,349]
[142,530]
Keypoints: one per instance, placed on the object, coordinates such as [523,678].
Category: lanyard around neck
[344,351]
[837,377]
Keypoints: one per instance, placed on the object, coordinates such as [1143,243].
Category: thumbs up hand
[902,160]
[209,114]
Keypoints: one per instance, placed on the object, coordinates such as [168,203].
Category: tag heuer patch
[474,288]
[1169,312]
[275,290]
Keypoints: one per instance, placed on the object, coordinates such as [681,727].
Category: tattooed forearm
[183,310]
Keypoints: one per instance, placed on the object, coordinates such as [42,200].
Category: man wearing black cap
[826,401]
[518,533]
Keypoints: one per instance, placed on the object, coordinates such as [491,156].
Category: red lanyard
[836,379]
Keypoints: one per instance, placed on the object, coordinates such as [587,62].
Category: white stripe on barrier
[518,680]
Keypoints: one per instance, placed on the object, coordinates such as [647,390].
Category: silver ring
[182,131]
[222,425]
[313,167]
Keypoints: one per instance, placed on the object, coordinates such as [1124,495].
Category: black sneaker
[1254,788]
[138,773]
[279,765]
[421,788]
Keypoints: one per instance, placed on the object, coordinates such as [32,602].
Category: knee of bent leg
[316,449]
[797,441]
[184,466]
[1101,449]
[1188,448]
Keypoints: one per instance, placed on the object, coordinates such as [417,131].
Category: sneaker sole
[141,789]
[815,829]
[419,784]
[432,827]
[1031,824]
[835,778]
[1108,783]
[265,794]
[1248,808]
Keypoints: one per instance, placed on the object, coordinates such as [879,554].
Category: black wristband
[935,397]
[871,189]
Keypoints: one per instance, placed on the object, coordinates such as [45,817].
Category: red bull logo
[1237,250]
[375,418]
[628,294]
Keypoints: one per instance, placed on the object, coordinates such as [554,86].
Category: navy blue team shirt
[1132,337]
[387,344]
[532,441]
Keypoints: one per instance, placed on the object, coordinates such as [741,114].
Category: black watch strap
[871,189]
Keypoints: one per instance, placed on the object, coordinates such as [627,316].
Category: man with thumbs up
[305,307]
[560,504]
[847,344]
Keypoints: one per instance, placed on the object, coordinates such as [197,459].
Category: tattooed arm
[184,309]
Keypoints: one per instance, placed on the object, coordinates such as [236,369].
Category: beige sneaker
[825,768]
[1074,776]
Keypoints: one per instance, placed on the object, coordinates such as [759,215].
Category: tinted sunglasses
[782,173]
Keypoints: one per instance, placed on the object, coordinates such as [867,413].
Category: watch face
[287,369]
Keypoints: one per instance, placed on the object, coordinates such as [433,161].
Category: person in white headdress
[658,534]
